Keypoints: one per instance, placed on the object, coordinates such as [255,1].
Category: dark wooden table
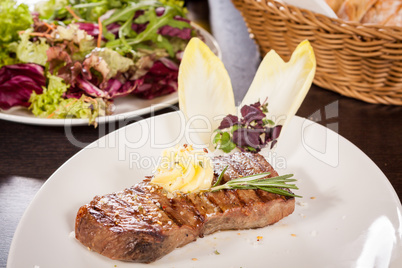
[29,154]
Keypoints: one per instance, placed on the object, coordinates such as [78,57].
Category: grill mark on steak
[142,223]
[204,205]
[247,168]
[200,216]
[244,197]
[248,197]
[164,202]
[233,198]
[264,197]
[220,200]
[186,212]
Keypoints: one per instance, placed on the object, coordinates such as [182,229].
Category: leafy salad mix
[71,58]
[249,133]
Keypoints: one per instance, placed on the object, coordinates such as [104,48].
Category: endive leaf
[205,90]
[284,84]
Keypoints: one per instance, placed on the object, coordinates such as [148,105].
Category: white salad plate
[349,215]
[124,107]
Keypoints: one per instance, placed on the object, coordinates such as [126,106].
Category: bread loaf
[383,12]
[379,12]
[335,4]
[354,10]
[395,19]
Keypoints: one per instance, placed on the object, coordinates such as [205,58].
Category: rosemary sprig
[220,177]
[274,185]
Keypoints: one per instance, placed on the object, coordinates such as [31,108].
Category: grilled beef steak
[143,223]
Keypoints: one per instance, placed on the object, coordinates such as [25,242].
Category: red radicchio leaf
[113,28]
[73,92]
[153,89]
[160,11]
[113,88]
[228,121]
[161,79]
[276,131]
[271,135]
[18,81]
[251,113]
[253,133]
[244,137]
[116,88]
[88,87]
[169,64]
[130,86]
[90,28]
[256,105]
[168,30]
[138,28]
[184,33]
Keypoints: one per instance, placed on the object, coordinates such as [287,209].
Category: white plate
[354,219]
[125,107]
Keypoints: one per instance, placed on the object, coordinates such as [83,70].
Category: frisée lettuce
[33,52]
[13,18]
[52,104]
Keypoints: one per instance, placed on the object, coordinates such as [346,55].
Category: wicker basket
[355,60]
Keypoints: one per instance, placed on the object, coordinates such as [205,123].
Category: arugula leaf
[178,24]
[153,21]
[125,13]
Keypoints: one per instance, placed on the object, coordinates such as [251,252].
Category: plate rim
[32,120]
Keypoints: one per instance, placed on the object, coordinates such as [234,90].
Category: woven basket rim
[379,31]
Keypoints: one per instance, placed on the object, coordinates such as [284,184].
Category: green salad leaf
[151,32]
[115,62]
[33,52]
[102,43]
[52,104]
[13,19]
[51,8]
[7,54]
[44,104]
[80,42]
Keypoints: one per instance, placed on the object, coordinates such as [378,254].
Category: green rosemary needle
[276,185]
[220,177]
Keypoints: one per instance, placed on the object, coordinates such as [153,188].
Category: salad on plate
[72,58]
